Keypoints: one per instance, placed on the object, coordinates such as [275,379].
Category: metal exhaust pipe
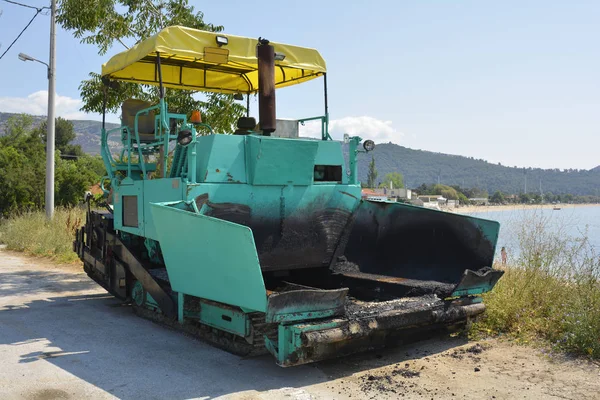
[266,87]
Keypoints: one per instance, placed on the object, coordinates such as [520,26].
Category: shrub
[32,233]
[552,292]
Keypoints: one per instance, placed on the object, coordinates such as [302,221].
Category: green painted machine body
[265,210]
[268,240]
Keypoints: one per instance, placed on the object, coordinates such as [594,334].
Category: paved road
[63,337]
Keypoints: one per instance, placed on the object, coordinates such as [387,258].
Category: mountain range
[419,166]
[87,131]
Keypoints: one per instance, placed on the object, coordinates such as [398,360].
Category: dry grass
[31,233]
[551,293]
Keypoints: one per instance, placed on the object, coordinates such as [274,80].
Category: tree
[498,198]
[395,178]
[63,136]
[424,189]
[525,198]
[127,22]
[72,181]
[445,191]
[23,165]
[463,199]
[372,174]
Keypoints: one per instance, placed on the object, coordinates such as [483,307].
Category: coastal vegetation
[550,292]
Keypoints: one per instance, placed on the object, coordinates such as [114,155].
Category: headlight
[369,145]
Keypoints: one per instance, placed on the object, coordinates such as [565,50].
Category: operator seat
[245,125]
[131,107]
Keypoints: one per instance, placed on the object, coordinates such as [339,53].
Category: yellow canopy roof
[192,60]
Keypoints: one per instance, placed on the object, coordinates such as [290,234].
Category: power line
[39,10]
[24,5]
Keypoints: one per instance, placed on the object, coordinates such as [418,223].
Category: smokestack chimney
[266,86]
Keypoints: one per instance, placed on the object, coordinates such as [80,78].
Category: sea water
[577,222]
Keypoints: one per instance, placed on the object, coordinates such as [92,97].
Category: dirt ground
[62,337]
[489,369]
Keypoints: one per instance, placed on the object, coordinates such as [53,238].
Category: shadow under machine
[258,242]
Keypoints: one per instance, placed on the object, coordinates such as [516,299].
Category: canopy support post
[161,89]
[104,94]
[163,121]
[325,127]
[104,149]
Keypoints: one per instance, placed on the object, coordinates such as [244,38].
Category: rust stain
[217,170]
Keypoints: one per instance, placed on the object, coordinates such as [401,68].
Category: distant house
[399,194]
[373,195]
[430,198]
[434,201]
[394,194]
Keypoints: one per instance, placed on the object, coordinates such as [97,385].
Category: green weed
[550,293]
[31,233]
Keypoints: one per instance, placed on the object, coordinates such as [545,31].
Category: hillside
[420,166]
[88,131]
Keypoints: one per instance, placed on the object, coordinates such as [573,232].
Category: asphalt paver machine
[259,243]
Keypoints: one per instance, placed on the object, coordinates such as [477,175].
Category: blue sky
[512,82]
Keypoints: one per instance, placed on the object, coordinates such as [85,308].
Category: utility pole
[50,134]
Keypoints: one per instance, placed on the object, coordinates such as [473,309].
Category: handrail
[324,125]
[210,129]
[161,131]
[142,164]
[105,153]
[106,192]
[105,149]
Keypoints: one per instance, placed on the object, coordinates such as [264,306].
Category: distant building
[434,201]
[386,194]
[400,194]
[394,194]
[373,195]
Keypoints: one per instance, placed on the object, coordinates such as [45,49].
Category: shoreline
[517,207]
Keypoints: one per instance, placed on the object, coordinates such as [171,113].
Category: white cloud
[365,127]
[37,104]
